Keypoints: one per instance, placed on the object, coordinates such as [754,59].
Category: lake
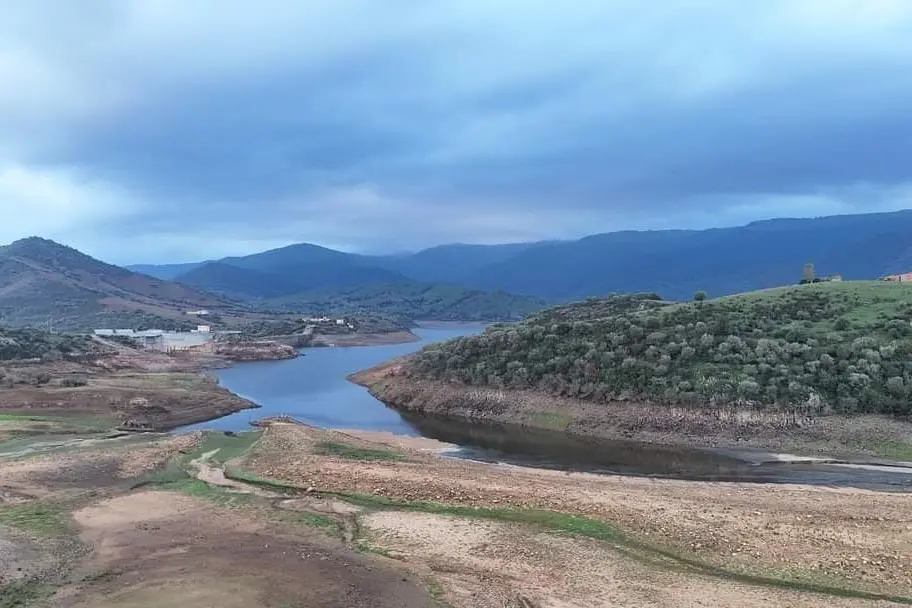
[313,388]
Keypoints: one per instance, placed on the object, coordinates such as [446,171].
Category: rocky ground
[851,538]
[296,516]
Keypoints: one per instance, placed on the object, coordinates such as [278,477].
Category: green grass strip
[39,519]
[352,452]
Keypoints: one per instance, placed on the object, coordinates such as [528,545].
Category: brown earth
[846,537]
[833,435]
[142,548]
[415,529]
[129,388]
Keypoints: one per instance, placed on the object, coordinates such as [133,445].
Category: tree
[700,296]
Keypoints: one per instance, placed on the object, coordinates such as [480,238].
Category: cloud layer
[161,130]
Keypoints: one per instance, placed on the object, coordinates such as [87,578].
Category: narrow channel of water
[313,388]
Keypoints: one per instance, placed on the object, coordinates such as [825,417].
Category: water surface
[313,388]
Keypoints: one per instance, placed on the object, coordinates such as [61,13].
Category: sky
[166,131]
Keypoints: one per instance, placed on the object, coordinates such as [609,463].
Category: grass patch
[39,519]
[437,593]
[352,452]
[26,593]
[228,446]
[551,420]
[894,450]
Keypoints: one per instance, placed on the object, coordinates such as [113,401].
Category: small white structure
[202,329]
[198,313]
[340,321]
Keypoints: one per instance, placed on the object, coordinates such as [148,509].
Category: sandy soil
[143,548]
[490,564]
[828,534]
[169,550]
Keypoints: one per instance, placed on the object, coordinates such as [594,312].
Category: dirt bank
[130,389]
[833,435]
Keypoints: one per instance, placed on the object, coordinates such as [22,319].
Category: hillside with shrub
[36,344]
[842,347]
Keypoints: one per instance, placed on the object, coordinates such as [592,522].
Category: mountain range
[45,283]
[673,263]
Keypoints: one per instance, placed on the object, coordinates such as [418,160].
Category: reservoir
[314,389]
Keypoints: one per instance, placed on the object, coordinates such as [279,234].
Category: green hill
[413,301]
[842,347]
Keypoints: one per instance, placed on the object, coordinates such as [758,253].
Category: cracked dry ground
[848,538]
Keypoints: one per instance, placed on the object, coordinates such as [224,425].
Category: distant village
[171,341]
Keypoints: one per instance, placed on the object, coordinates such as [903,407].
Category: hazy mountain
[674,263]
[44,282]
[288,270]
[164,271]
[452,263]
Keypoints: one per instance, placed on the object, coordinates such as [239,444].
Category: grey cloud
[323,122]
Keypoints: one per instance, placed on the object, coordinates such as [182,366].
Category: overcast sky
[167,130]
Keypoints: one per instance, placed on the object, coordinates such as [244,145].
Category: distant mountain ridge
[674,263]
[45,283]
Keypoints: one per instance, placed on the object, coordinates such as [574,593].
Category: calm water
[314,389]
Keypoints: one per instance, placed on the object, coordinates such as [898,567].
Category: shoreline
[832,437]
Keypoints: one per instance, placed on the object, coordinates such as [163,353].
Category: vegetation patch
[24,593]
[353,452]
[552,420]
[40,519]
[840,347]
[894,450]
[229,446]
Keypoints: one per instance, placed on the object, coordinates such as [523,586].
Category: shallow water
[314,389]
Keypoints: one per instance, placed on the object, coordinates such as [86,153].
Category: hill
[414,301]
[43,282]
[36,344]
[315,280]
[813,349]
[452,263]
